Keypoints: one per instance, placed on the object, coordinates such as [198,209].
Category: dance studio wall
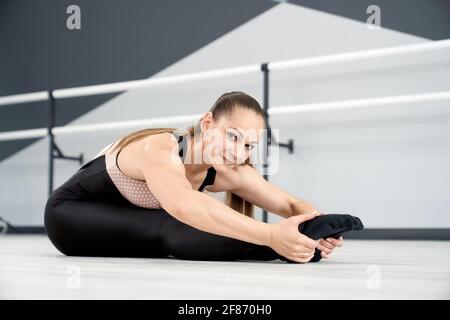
[388,166]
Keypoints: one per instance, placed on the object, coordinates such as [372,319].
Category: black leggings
[88,216]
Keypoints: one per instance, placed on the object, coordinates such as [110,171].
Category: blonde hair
[224,105]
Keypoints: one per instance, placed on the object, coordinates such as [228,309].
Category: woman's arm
[165,176]
[247,183]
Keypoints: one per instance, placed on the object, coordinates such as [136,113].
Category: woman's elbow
[179,205]
[175,209]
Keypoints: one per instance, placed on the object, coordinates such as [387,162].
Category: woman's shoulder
[160,141]
[139,154]
[157,148]
[163,140]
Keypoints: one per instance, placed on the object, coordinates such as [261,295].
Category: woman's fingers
[308,242]
[301,259]
[337,242]
[303,254]
[326,244]
[325,249]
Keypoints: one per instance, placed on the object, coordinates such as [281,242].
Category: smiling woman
[143,196]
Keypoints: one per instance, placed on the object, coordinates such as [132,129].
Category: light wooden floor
[31,268]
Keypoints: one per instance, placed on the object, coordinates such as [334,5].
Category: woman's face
[231,140]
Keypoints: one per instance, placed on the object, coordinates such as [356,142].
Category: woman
[143,196]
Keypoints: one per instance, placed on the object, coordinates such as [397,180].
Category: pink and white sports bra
[137,191]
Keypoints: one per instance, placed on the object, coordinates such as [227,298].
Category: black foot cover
[327,226]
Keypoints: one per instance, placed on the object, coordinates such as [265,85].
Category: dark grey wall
[118,41]
[425,18]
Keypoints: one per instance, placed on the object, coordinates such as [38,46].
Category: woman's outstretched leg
[186,242]
[82,227]
[92,228]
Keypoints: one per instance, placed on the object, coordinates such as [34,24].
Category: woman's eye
[231,135]
[249,147]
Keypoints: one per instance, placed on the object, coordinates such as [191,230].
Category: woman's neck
[194,161]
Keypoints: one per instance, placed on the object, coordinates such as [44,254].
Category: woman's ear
[206,121]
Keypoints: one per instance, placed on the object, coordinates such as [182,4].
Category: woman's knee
[55,223]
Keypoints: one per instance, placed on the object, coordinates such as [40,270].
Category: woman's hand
[326,246]
[287,241]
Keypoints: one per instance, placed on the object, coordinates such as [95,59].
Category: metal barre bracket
[54,151]
[270,139]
